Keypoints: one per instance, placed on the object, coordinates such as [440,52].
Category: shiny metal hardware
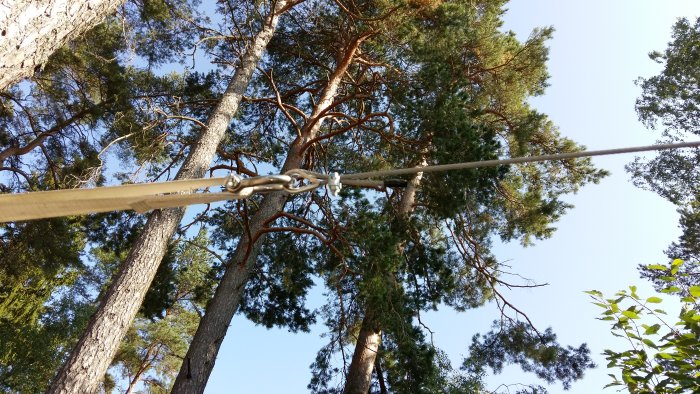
[305,180]
[293,182]
[232,182]
[334,184]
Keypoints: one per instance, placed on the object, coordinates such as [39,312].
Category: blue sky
[599,49]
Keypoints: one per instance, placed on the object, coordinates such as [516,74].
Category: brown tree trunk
[359,376]
[30,31]
[201,356]
[91,357]
[364,356]
[380,376]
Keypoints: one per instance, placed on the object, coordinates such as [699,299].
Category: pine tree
[348,87]
[205,345]
[457,116]
[98,345]
[671,101]
[32,328]
[362,128]
[46,144]
[153,349]
[100,104]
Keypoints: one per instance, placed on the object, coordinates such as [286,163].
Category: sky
[599,49]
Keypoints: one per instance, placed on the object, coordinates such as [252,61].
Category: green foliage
[36,323]
[672,100]
[161,295]
[688,245]
[512,342]
[31,351]
[47,145]
[55,131]
[472,85]
[26,247]
[410,361]
[90,96]
[445,122]
[436,80]
[686,248]
[456,87]
[276,292]
[157,342]
[664,354]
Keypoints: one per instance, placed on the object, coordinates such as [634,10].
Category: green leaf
[632,335]
[652,329]
[654,300]
[695,291]
[657,267]
[612,384]
[630,314]
[627,377]
[650,343]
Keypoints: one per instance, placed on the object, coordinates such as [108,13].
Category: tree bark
[201,356]
[91,357]
[359,377]
[30,31]
[380,376]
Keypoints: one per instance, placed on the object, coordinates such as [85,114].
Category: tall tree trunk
[359,376]
[201,356]
[91,357]
[369,338]
[30,31]
[380,376]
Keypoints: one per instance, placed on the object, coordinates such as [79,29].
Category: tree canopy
[342,86]
[669,102]
[663,353]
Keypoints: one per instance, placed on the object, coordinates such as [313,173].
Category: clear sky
[599,49]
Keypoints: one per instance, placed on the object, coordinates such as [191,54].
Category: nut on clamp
[232,182]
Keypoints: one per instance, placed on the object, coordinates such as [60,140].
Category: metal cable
[143,197]
[515,160]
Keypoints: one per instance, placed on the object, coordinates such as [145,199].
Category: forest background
[598,50]
[613,228]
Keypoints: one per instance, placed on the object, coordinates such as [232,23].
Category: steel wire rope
[143,197]
[515,160]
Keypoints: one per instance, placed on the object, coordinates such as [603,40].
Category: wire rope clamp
[334,184]
[232,182]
